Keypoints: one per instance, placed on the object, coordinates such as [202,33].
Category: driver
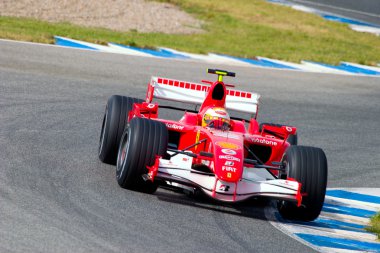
[216,117]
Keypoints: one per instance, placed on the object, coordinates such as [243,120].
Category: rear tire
[142,141]
[307,165]
[114,121]
[292,139]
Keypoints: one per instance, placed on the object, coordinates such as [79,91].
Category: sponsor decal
[229,163]
[229,145]
[224,188]
[263,141]
[228,168]
[228,151]
[174,126]
[197,139]
[289,129]
[286,183]
[228,157]
[229,175]
[151,106]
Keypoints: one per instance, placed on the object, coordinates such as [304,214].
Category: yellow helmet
[216,117]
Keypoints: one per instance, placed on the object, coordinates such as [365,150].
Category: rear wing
[195,93]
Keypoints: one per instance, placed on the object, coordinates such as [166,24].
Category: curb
[345,68]
[341,224]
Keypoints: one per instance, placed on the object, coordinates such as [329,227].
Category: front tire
[307,165]
[114,121]
[143,140]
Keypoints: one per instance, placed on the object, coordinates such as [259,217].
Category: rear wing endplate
[195,93]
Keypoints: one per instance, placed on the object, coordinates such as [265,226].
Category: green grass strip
[243,28]
[375,225]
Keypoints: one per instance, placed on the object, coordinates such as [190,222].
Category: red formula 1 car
[227,158]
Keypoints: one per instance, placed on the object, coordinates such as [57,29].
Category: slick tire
[292,138]
[114,121]
[142,141]
[307,165]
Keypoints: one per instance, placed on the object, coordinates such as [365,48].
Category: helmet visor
[217,123]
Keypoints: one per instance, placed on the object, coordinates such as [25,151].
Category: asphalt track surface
[365,10]
[56,196]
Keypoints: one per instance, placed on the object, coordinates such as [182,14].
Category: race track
[364,10]
[56,196]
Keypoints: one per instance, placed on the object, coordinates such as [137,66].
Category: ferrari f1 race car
[228,158]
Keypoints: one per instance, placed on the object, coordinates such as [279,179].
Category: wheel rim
[122,153]
[101,141]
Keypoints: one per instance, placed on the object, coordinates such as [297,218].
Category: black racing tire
[307,165]
[143,140]
[114,121]
[292,138]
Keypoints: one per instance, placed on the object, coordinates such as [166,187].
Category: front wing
[255,182]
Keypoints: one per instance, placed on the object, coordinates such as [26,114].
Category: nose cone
[229,161]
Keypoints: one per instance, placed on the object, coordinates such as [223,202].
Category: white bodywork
[255,182]
[195,93]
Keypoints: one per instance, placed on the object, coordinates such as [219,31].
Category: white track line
[353,203]
[92,45]
[325,69]
[291,64]
[128,51]
[366,29]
